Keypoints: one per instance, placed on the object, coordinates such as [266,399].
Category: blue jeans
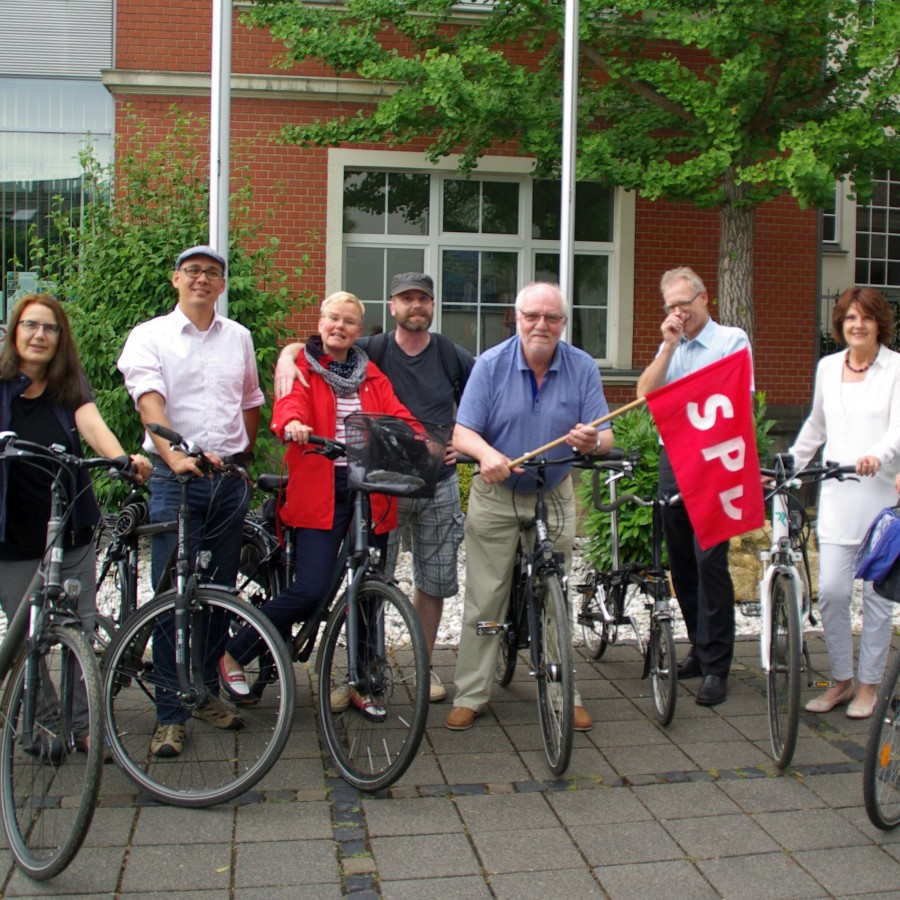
[217,507]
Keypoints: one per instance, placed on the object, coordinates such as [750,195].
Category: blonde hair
[340,297]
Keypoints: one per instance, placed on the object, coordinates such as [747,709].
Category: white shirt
[207,378]
[853,419]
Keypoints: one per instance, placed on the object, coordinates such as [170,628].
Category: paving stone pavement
[694,810]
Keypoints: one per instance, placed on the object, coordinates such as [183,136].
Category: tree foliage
[723,104]
[114,259]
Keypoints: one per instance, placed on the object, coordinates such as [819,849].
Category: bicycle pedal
[751,608]
[486,628]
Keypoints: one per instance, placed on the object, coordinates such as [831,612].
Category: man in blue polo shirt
[530,390]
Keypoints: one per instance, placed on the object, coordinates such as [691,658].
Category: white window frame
[621,249]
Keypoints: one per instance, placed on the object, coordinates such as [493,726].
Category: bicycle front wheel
[881,772]
[555,678]
[663,670]
[373,727]
[783,682]
[47,789]
[225,750]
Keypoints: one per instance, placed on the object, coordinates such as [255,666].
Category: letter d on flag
[706,422]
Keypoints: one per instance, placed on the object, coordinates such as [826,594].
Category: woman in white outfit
[856,415]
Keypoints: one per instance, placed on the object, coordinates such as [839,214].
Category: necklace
[865,368]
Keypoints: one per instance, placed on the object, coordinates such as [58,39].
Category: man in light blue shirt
[524,393]
[690,341]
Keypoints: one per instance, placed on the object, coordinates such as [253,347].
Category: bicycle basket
[389,455]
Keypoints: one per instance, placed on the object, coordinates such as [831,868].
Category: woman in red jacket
[336,379]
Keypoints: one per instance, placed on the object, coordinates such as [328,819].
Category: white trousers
[835,587]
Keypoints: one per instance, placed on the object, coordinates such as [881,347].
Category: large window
[482,238]
[878,234]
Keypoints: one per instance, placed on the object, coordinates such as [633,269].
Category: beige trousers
[492,532]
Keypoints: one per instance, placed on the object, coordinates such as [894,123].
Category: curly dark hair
[65,377]
[873,303]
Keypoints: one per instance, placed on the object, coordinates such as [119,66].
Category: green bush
[114,261]
[635,431]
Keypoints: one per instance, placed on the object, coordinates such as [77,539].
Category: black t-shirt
[420,382]
[28,483]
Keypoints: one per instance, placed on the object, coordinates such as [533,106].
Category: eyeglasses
[212,273]
[680,304]
[550,318]
[29,326]
[335,319]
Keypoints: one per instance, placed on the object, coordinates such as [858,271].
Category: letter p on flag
[706,423]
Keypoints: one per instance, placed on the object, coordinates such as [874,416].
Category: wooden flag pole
[620,411]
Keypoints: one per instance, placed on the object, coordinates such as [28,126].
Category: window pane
[368,272]
[459,297]
[364,202]
[545,211]
[478,292]
[500,213]
[593,211]
[407,204]
[461,206]
[589,310]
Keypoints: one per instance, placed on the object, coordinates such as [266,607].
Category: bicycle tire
[783,678]
[259,577]
[507,654]
[44,827]
[881,770]
[216,764]
[663,670]
[595,631]
[555,677]
[373,754]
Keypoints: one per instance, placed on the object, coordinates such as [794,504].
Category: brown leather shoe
[462,718]
[581,719]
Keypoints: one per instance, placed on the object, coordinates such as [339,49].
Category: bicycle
[537,619]
[52,704]
[785,601]
[607,594]
[881,769]
[186,624]
[372,642]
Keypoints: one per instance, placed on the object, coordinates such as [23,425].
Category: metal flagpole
[220,134]
[569,134]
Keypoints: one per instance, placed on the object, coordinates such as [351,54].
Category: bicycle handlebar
[11,445]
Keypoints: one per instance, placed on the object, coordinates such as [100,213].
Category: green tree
[723,104]
[114,259]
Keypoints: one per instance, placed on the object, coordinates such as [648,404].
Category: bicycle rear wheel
[598,634]
[508,645]
[260,577]
[47,790]
[663,670]
[226,749]
[783,683]
[555,678]
[881,771]
[373,729]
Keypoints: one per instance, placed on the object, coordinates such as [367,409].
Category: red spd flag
[706,422]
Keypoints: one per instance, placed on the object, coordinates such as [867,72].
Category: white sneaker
[436,689]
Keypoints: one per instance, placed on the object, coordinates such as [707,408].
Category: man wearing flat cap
[428,372]
[194,372]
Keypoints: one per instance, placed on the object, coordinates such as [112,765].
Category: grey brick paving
[693,810]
